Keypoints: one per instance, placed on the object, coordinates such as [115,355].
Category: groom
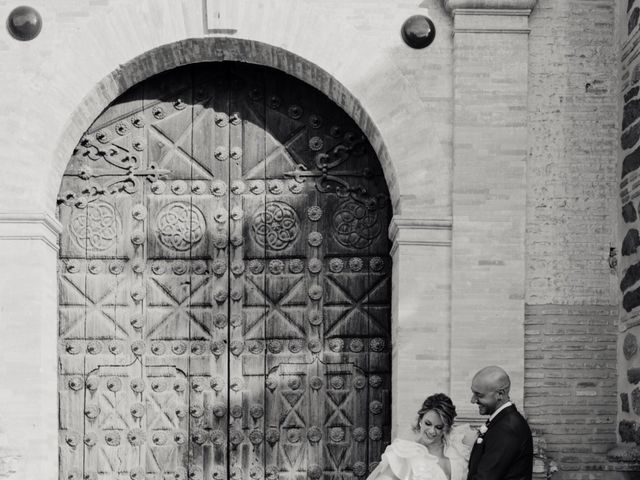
[504,447]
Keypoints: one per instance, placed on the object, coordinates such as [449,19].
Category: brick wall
[571,311]
[570,383]
[572,212]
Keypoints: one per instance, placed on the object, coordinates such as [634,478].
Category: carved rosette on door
[224,285]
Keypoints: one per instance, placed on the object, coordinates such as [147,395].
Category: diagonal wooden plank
[282,149]
[357,304]
[274,307]
[337,399]
[175,144]
[337,454]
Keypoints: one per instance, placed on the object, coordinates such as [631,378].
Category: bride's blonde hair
[442,405]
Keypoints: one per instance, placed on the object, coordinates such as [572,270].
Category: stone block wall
[489,195]
[629,265]
[573,114]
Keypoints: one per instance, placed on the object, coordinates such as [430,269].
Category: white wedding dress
[409,460]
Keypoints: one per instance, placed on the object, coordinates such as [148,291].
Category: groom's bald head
[490,389]
[494,378]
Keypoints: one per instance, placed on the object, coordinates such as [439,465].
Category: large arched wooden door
[224,285]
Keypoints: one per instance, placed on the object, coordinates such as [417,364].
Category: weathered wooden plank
[246,361]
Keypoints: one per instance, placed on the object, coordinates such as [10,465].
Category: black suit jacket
[506,451]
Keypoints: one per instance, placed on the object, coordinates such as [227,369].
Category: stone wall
[571,312]
[489,194]
[629,265]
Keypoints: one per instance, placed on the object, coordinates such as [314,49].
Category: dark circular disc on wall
[418,31]
[24,23]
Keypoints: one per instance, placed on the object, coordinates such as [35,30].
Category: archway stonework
[398,129]
[185,52]
[395,123]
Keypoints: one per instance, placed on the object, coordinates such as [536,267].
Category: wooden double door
[224,285]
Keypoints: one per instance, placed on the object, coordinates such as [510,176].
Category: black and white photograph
[319,239]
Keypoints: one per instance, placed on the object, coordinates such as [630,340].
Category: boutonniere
[481,431]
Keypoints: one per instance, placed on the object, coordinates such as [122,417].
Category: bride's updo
[442,405]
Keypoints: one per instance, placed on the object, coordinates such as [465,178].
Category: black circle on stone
[24,23]
[418,31]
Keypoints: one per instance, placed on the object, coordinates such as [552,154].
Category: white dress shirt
[502,407]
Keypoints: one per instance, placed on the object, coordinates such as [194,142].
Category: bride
[438,452]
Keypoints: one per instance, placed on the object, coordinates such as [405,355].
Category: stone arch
[409,128]
[199,50]
[402,122]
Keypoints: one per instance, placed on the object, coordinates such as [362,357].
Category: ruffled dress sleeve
[407,460]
